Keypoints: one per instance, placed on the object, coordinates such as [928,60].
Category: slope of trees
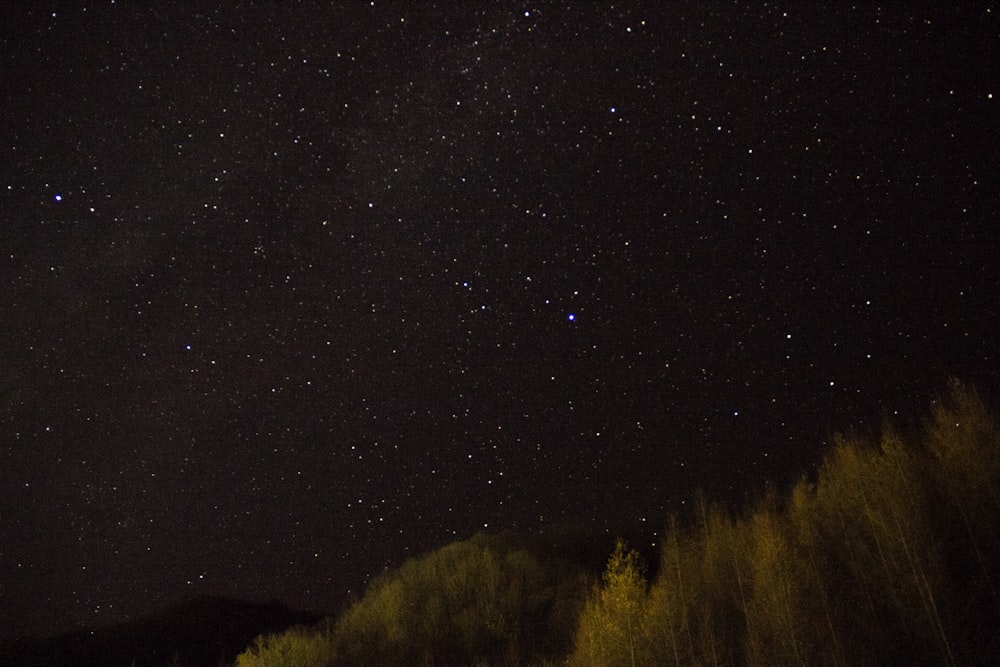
[890,554]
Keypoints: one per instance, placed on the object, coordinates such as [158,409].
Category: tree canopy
[888,554]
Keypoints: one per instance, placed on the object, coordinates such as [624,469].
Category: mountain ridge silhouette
[199,631]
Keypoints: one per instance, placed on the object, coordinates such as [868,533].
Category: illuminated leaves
[891,555]
[611,629]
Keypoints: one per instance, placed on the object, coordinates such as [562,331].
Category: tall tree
[774,610]
[816,606]
[611,631]
[964,439]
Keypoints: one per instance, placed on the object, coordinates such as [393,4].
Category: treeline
[889,554]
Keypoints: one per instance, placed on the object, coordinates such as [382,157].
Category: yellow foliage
[611,630]
[296,647]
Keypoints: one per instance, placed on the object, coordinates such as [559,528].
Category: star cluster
[294,291]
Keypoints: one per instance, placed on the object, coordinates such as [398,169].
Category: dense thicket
[890,554]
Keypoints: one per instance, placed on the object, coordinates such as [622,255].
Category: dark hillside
[202,631]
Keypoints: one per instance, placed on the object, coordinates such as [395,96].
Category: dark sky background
[293,291]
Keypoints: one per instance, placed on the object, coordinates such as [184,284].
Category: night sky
[293,292]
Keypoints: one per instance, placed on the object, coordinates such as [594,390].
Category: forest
[889,553]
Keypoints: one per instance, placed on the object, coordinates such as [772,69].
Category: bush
[296,647]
